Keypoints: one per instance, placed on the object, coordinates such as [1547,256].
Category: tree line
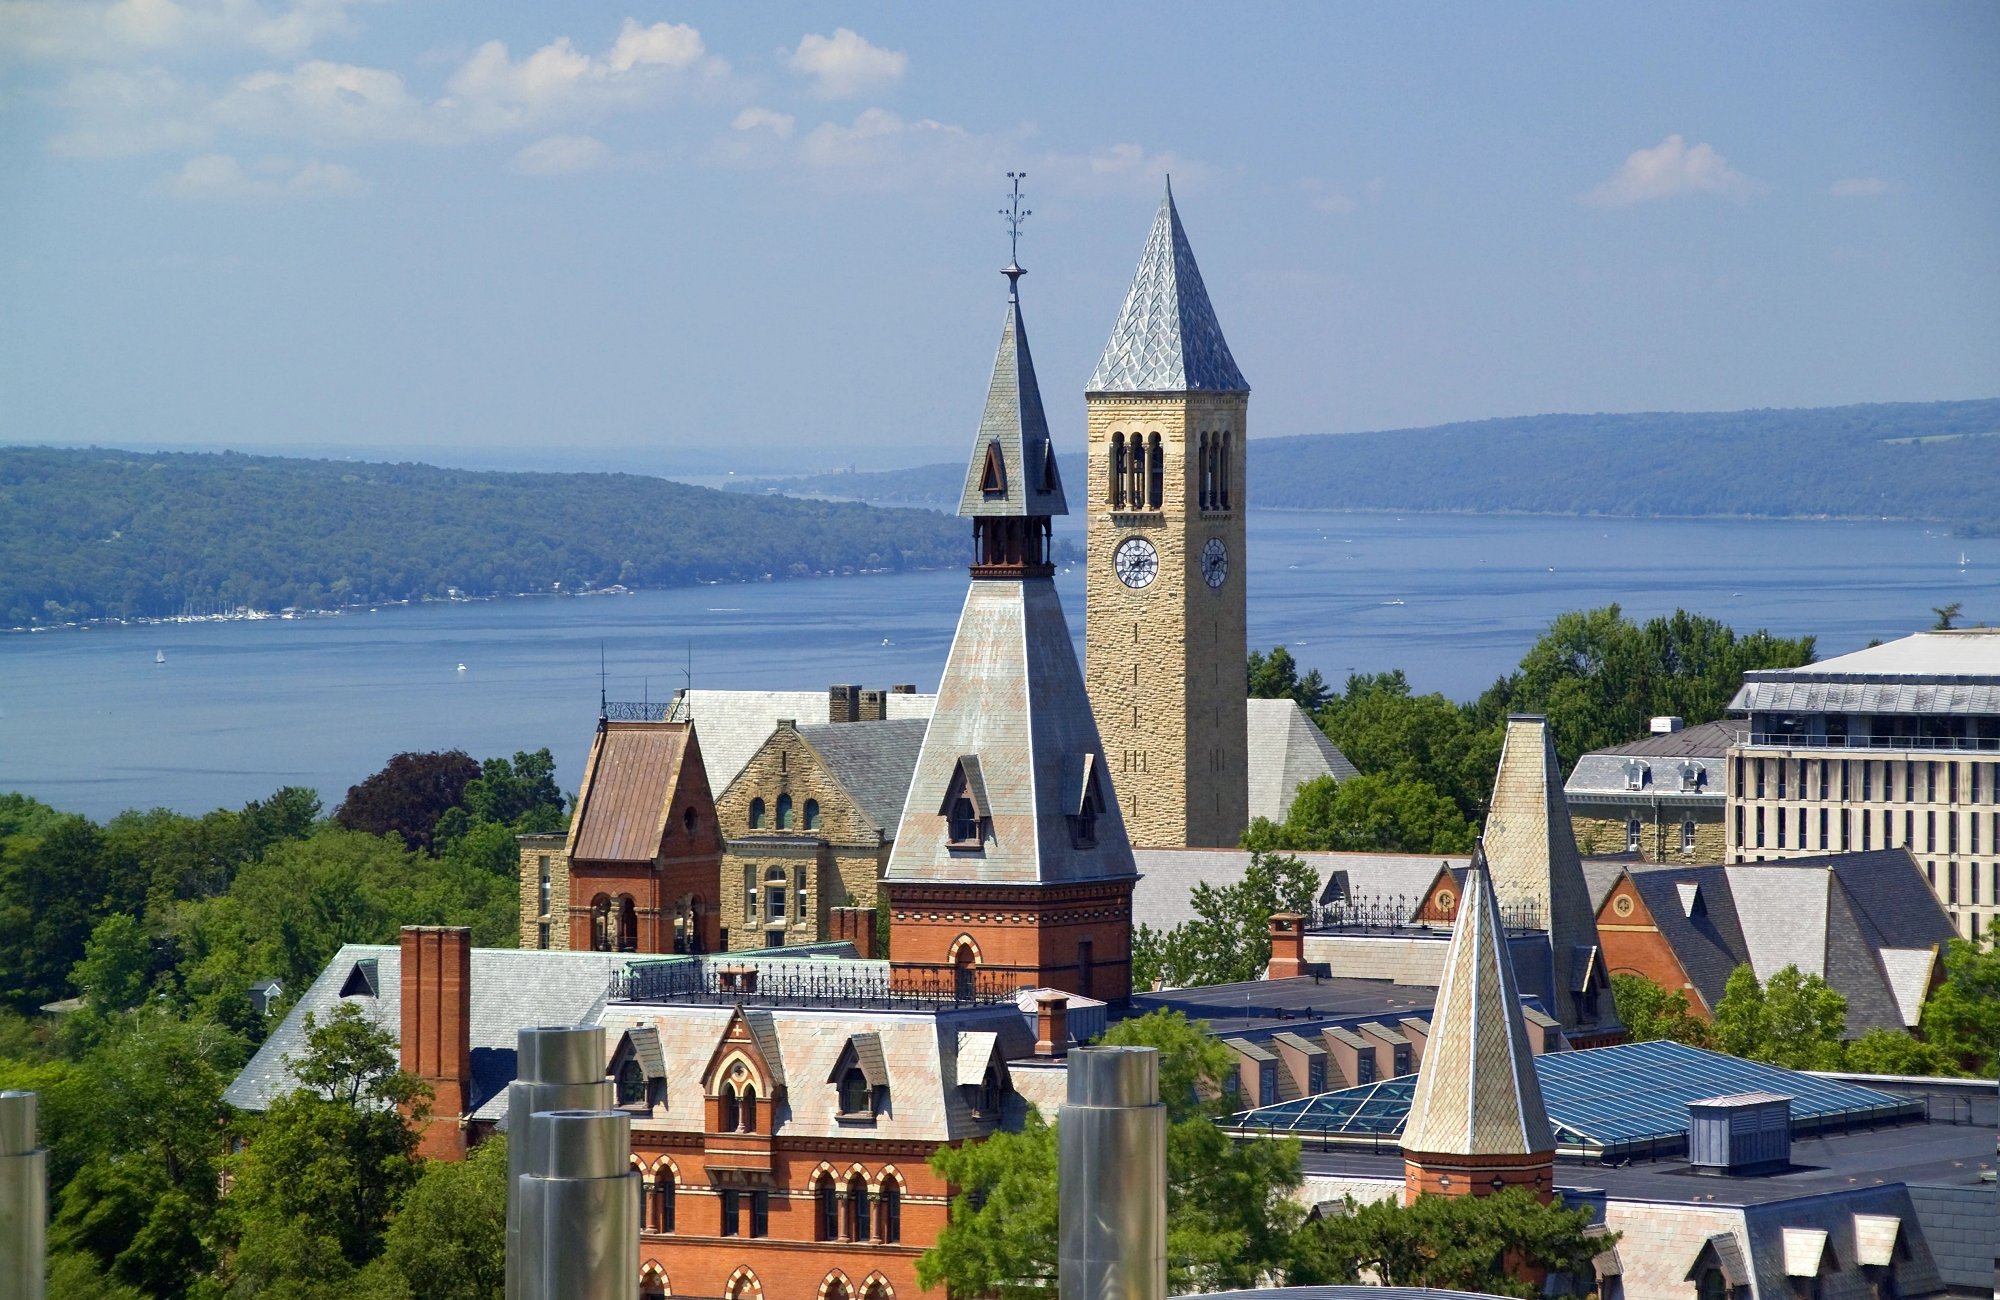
[128,952]
[111,534]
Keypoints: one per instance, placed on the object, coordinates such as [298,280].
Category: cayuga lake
[91,722]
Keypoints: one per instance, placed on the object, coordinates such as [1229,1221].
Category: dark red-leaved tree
[408,796]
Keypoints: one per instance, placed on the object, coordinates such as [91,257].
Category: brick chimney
[857,926]
[874,706]
[843,704]
[437,1030]
[1051,1024]
[1288,946]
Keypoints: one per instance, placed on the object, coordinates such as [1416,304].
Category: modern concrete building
[1895,746]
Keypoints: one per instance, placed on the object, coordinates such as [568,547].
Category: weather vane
[1015,214]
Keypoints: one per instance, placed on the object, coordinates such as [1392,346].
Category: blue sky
[764,236]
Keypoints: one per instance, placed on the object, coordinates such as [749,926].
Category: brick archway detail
[743,1285]
[889,1173]
[963,942]
[651,1273]
[876,1287]
[833,1279]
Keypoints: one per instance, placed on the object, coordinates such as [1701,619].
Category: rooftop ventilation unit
[1746,1133]
[1667,725]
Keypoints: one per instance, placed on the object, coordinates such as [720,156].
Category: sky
[763,238]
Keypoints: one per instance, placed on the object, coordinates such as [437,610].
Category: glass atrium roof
[1603,1098]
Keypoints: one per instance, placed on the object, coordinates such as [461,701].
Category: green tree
[52,889]
[1460,1243]
[116,966]
[1650,1012]
[1365,814]
[1229,938]
[329,1162]
[1275,676]
[1793,1020]
[1891,1051]
[448,1241]
[522,794]
[1962,1017]
[1229,1216]
[408,795]
[1386,731]
[1947,615]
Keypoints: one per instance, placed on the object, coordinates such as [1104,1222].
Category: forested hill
[94,533]
[1906,460]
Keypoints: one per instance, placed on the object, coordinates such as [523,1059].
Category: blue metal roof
[1603,1098]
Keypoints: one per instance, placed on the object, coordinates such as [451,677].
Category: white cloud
[493,92]
[562,155]
[844,64]
[1667,170]
[99,31]
[764,119]
[1858,187]
[112,112]
[220,177]
[331,103]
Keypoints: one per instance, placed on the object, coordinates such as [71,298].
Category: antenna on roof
[1014,214]
[603,710]
[688,674]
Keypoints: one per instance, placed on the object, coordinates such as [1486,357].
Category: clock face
[1136,562]
[1215,562]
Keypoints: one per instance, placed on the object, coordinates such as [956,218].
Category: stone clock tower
[1164,641]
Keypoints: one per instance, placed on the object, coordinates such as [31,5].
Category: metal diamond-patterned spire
[1167,339]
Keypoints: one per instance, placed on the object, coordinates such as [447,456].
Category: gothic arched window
[663,1200]
[1156,473]
[828,1201]
[1116,491]
[729,1113]
[857,1199]
[784,812]
[892,1210]
[756,814]
[1135,474]
[749,1109]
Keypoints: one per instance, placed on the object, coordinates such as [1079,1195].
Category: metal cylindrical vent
[1112,1178]
[24,1199]
[558,1067]
[579,1228]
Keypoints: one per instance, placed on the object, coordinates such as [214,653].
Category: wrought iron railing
[1399,912]
[718,979]
[637,711]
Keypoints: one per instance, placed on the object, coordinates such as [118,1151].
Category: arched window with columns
[826,1206]
[857,1207]
[600,923]
[890,1210]
[1115,482]
[749,1108]
[729,1113]
[1222,471]
[1156,473]
[1135,474]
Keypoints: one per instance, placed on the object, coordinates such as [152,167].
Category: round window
[1445,900]
[1622,905]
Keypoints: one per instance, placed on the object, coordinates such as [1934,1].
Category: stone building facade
[1659,799]
[809,823]
[1165,640]
[1895,746]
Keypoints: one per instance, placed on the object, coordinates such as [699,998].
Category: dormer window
[990,1092]
[1635,775]
[993,476]
[631,1084]
[965,806]
[860,1078]
[1083,798]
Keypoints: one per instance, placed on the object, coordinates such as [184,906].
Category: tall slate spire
[1536,870]
[1013,469]
[1477,1094]
[1167,339]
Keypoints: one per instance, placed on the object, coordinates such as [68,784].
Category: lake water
[89,722]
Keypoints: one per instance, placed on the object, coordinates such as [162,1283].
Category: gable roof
[735,724]
[1012,471]
[1477,1092]
[1167,339]
[511,988]
[629,784]
[872,761]
[1286,751]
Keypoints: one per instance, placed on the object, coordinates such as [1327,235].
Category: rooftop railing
[636,710]
[718,980]
[1802,740]
[1393,912]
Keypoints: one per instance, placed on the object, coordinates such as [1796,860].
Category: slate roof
[918,1055]
[1531,844]
[1867,923]
[629,782]
[1012,697]
[873,761]
[1703,740]
[1167,339]
[1954,672]
[511,988]
[733,725]
[1603,772]
[1960,652]
[1286,751]
[1014,436]
[1477,1092]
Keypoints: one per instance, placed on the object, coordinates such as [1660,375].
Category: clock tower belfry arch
[1164,634]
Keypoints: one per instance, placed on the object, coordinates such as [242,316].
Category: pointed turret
[1011,863]
[1539,880]
[1013,469]
[1167,339]
[1477,1123]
